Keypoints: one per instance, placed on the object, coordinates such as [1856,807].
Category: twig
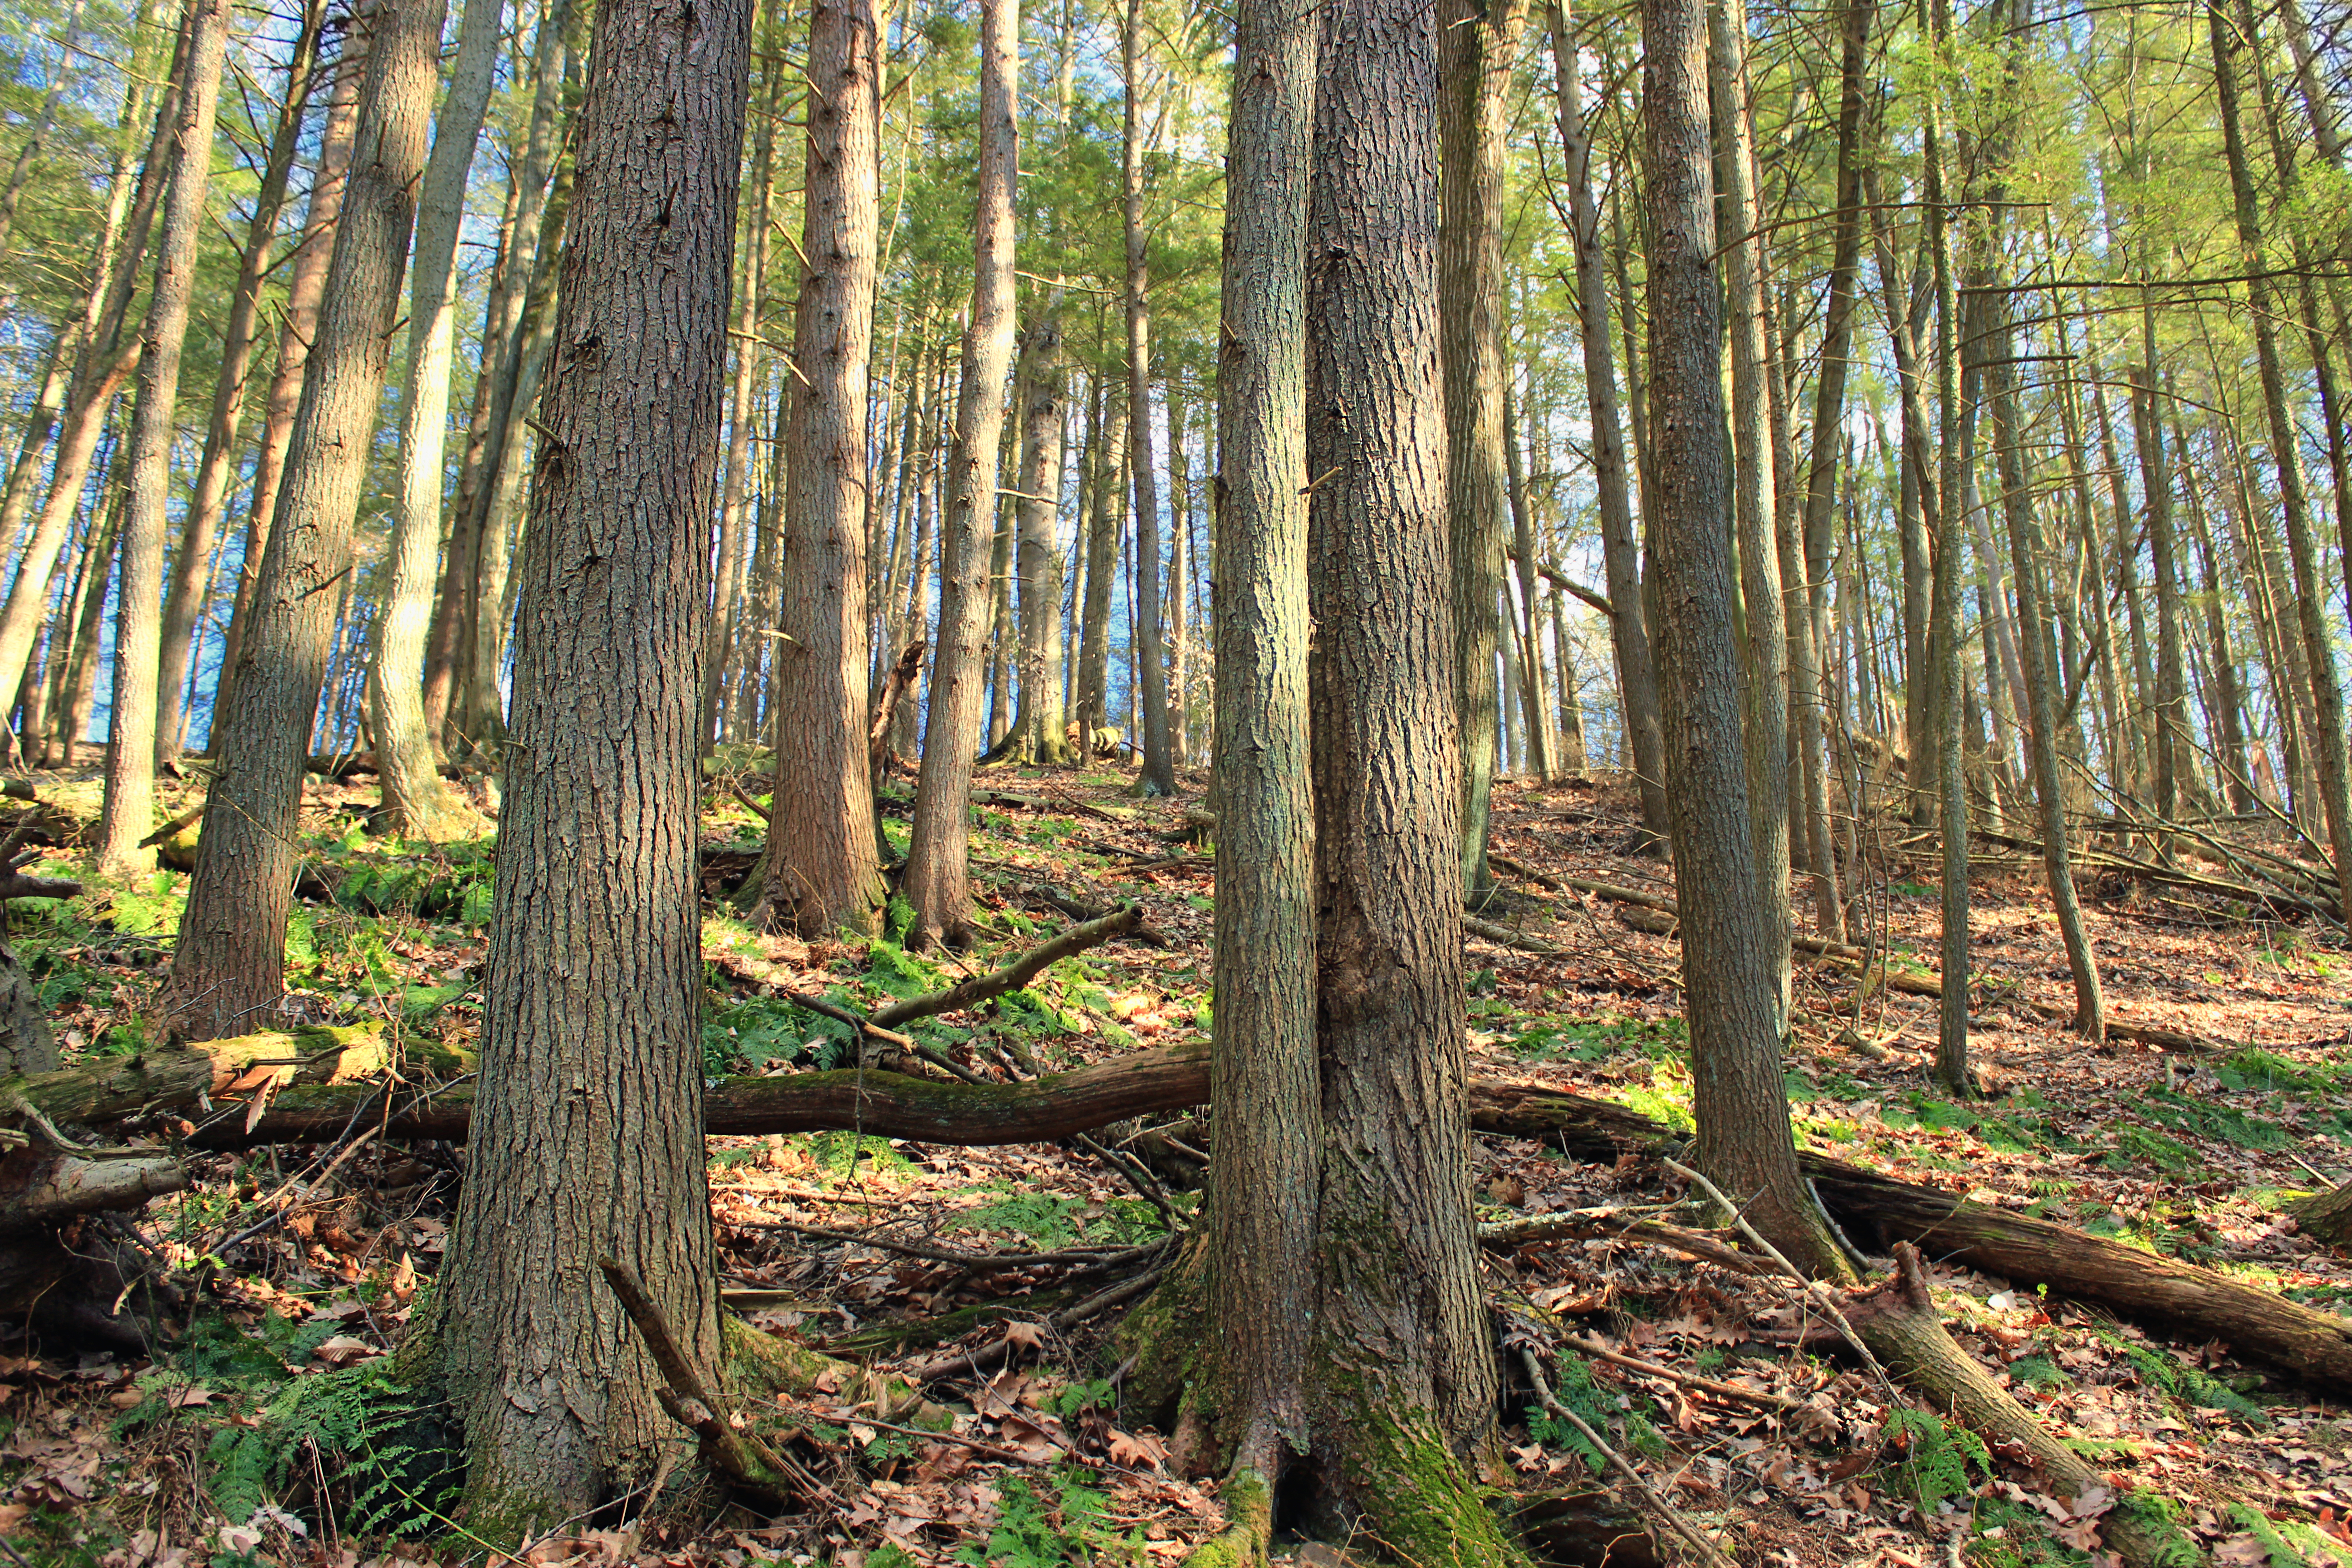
[1602,1225]
[1769,1401]
[1813,1289]
[1659,1507]
[977,1262]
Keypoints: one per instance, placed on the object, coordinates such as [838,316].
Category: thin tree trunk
[1757,488]
[191,588]
[937,882]
[822,871]
[1042,726]
[37,133]
[1158,775]
[306,285]
[1621,550]
[130,808]
[1108,434]
[229,966]
[2311,589]
[414,799]
[1732,948]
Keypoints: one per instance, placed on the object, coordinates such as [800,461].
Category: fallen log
[1873,1208]
[1013,975]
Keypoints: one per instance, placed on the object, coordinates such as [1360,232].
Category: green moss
[1417,1499]
[1165,1339]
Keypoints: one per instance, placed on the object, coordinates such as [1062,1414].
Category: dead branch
[1019,972]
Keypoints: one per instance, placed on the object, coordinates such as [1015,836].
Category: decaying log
[895,687]
[2327,1216]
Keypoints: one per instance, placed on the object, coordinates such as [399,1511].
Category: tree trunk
[190,585]
[1043,724]
[414,799]
[1402,1368]
[2311,589]
[1620,551]
[596,961]
[229,967]
[822,871]
[1263,1166]
[1732,949]
[937,882]
[306,285]
[130,809]
[1158,775]
[1765,672]
[1480,45]
[1107,433]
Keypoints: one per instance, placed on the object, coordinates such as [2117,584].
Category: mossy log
[1874,1209]
[2327,1216]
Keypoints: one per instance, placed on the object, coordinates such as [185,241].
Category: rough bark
[1756,478]
[1732,949]
[937,882]
[1263,1171]
[306,286]
[1042,722]
[1480,47]
[822,871]
[229,969]
[130,808]
[1402,1372]
[416,802]
[586,1143]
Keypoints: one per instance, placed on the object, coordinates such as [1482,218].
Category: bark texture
[823,868]
[1731,951]
[229,966]
[937,880]
[586,1141]
[130,809]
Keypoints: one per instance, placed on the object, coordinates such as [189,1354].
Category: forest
[880,784]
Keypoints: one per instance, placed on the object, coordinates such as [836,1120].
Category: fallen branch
[1019,972]
[895,687]
[1658,1506]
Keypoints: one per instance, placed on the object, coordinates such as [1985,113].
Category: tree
[1042,722]
[938,881]
[822,869]
[229,967]
[130,809]
[414,799]
[1481,49]
[1158,776]
[586,1137]
[1732,949]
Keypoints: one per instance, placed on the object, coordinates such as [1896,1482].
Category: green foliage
[1552,1037]
[387,1449]
[2268,1071]
[748,1035]
[1576,1390]
[1052,1220]
[1065,1522]
[2038,1371]
[1933,1457]
[2191,1384]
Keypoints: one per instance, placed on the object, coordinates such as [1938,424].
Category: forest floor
[212,1450]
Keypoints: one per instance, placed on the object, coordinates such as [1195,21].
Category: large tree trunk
[1263,1170]
[1732,948]
[130,810]
[229,967]
[584,1144]
[1480,48]
[418,804]
[1402,1368]
[938,882]
[822,871]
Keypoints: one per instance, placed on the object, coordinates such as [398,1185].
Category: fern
[2191,1384]
[1936,1457]
[382,1440]
[1578,1392]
